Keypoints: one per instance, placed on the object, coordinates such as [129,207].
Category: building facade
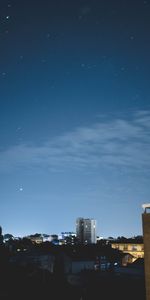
[86,231]
[146,235]
[1,236]
[135,250]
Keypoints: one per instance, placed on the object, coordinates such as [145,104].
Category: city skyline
[74,230]
[74,115]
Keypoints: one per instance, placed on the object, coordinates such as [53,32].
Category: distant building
[65,234]
[36,238]
[54,239]
[67,238]
[146,233]
[7,237]
[40,238]
[133,249]
[86,231]
[46,238]
[41,260]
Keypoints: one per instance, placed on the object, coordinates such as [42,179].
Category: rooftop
[146,207]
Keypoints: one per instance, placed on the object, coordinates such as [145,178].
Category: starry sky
[74,115]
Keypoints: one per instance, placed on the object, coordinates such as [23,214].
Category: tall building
[86,231]
[146,234]
[1,236]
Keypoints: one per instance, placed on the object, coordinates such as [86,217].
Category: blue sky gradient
[74,115]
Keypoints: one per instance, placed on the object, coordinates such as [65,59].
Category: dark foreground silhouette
[28,283]
[31,282]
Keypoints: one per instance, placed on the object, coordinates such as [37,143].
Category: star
[131,37]
[20,189]
[122,69]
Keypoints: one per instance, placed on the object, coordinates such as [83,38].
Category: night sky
[74,115]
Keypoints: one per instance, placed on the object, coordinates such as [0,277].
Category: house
[44,261]
[132,250]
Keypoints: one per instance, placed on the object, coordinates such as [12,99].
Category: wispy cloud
[116,142]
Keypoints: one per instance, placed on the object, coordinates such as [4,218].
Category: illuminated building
[67,238]
[36,238]
[86,231]
[136,250]
[146,233]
